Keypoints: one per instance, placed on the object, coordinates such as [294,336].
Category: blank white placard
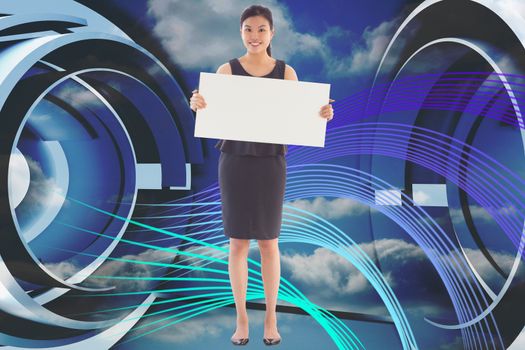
[258,109]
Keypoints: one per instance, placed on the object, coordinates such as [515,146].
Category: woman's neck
[258,59]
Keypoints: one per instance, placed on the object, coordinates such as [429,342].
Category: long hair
[258,10]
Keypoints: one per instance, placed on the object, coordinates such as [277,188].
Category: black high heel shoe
[271,341]
[241,341]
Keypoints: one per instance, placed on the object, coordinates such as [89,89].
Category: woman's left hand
[327,111]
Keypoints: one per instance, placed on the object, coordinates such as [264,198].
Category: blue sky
[339,42]
[314,37]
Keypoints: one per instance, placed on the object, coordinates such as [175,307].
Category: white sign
[258,109]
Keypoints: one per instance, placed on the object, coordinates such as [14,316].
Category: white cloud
[430,195]
[479,213]
[43,192]
[388,197]
[202,262]
[128,269]
[63,269]
[66,269]
[41,118]
[421,197]
[19,178]
[216,324]
[326,270]
[394,249]
[212,324]
[366,54]
[194,328]
[77,95]
[332,282]
[202,35]
[485,269]
[337,276]
[331,209]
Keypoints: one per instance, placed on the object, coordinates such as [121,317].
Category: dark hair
[258,10]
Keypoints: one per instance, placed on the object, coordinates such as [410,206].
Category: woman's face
[256,34]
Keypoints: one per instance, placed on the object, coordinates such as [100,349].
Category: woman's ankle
[270,318]
[242,318]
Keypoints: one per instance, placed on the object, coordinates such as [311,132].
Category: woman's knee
[268,246]
[239,247]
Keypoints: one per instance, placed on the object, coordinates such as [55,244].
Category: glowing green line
[314,312]
[283,280]
[205,257]
[179,205]
[208,301]
[302,301]
[160,302]
[160,264]
[160,278]
[177,216]
[150,246]
[216,306]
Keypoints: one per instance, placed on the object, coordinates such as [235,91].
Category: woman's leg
[238,270]
[271,274]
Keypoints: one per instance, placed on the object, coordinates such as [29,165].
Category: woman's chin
[254,48]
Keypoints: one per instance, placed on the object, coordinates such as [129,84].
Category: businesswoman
[252,178]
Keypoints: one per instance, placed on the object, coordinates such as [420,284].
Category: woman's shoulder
[225,68]
[289,73]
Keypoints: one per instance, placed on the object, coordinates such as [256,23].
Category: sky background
[336,42]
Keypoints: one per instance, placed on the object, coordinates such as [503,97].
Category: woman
[252,178]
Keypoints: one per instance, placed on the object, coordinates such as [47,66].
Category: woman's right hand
[197,101]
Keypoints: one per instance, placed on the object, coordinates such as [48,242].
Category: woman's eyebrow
[249,26]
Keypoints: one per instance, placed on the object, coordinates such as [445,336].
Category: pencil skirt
[252,194]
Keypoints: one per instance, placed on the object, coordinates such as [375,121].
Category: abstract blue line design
[83,106]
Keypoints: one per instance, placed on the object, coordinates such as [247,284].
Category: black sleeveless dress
[252,180]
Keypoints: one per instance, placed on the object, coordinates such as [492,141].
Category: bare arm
[289,73]
[225,69]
